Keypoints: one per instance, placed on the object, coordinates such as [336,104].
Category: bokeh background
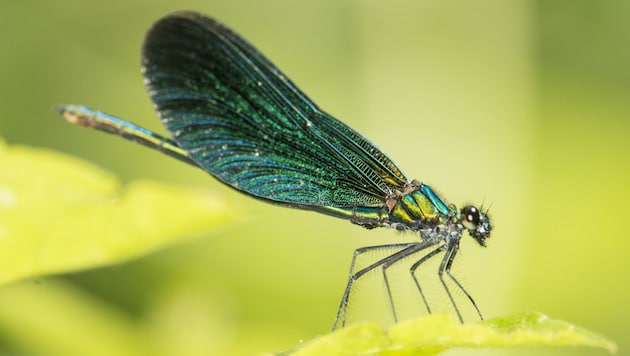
[522,104]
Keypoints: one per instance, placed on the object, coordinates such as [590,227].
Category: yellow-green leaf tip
[436,333]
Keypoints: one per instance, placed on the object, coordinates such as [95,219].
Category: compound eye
[470,217]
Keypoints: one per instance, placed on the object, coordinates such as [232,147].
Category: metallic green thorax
[415,208]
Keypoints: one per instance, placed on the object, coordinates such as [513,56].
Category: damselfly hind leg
[405,250]
[341,316]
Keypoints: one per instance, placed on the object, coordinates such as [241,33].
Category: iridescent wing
[247,124]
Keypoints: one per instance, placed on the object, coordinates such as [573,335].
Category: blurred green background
[523,104]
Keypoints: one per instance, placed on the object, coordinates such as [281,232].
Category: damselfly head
[477,223]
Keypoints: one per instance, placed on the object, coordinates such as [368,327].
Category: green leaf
[60,214]
[433,334]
